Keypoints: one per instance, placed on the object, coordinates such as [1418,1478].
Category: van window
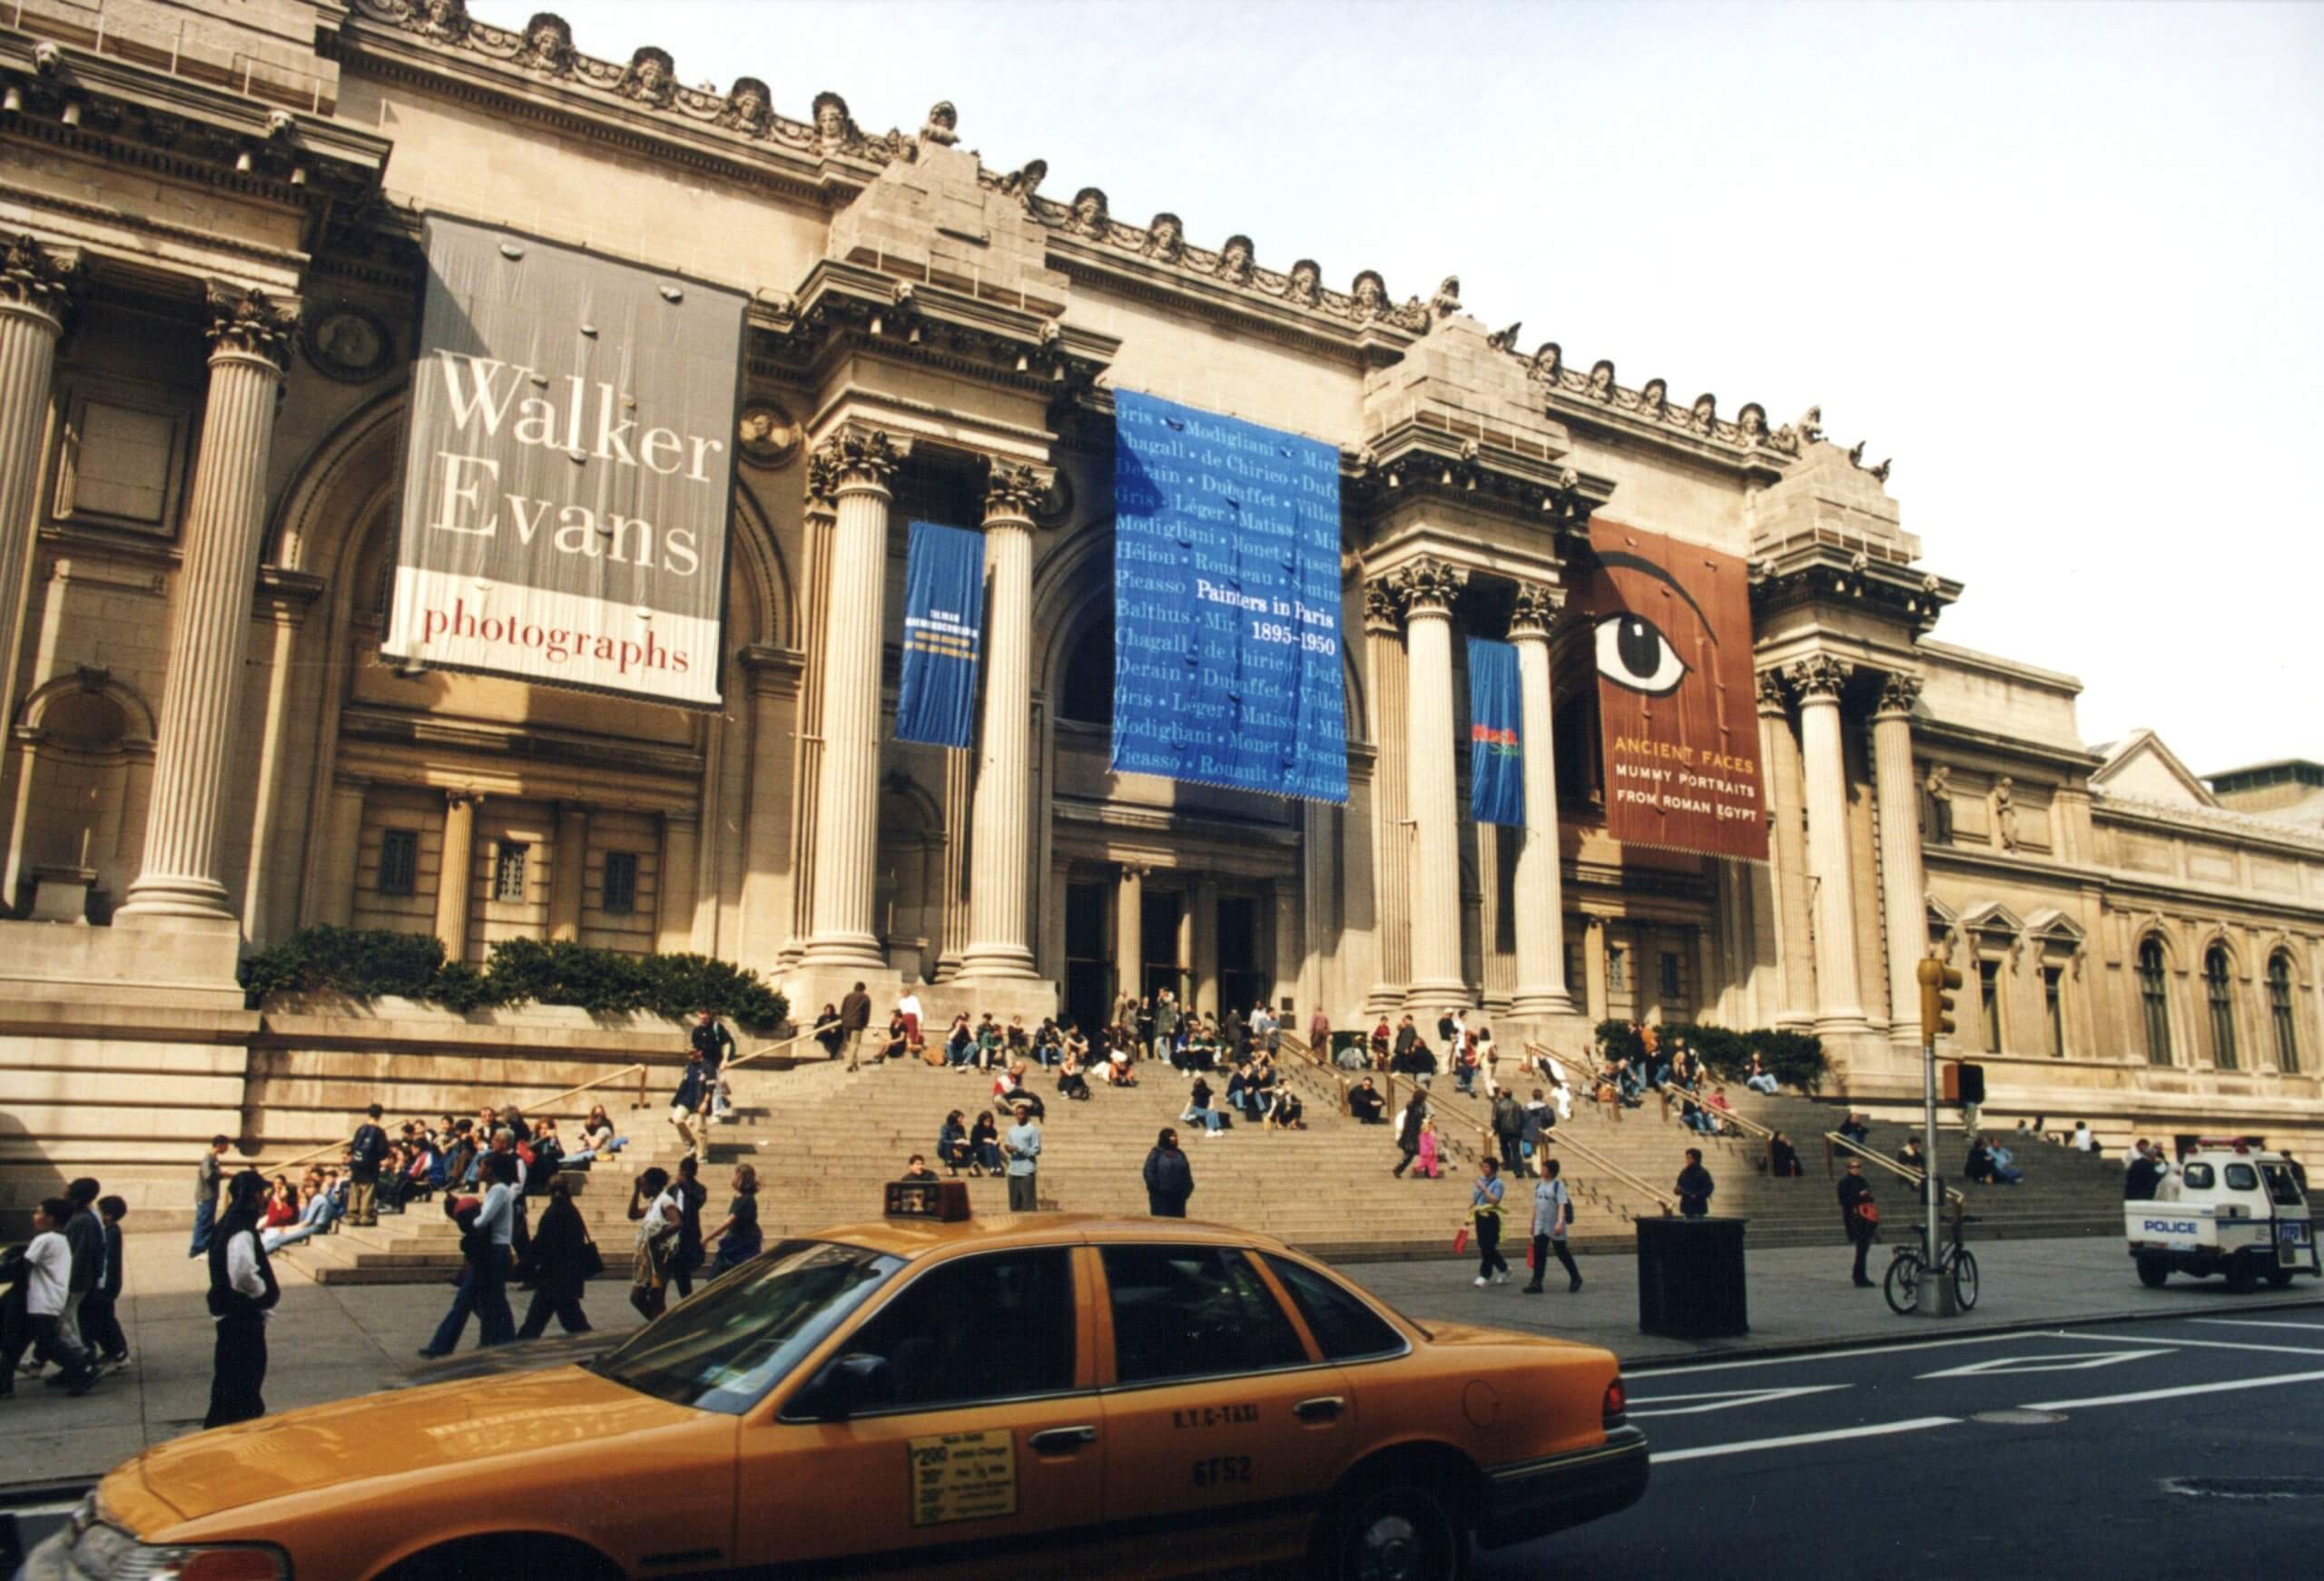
[2198,1177]
[2243,1177]
[2283,1189]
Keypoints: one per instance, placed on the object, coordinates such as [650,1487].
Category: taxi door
[981,1456]
[1222,1428]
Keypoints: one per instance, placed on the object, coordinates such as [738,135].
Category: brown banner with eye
[1670,636]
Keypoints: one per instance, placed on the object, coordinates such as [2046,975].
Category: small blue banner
[1496,755]
[943,628]
[1226,603]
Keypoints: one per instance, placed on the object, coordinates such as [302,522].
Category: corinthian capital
[853,458]
[1430,586]
[1383,606]
[1898,692]
[1775,698]
[1535,612]
[1820,677]
[33,277]
[249,323]
[1011,492]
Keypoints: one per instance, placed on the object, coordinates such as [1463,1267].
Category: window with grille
[1618,969]
[398,861]
[621,882]
[2155,998]
[2279,1009]
[1670,990]
[2054,1010]
[1989,1003]
[508,866]
[2221,994]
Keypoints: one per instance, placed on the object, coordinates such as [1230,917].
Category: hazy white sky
[2061,261]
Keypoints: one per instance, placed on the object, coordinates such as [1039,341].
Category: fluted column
[249,336]
[1541,988]
[1383,617]
[455,872]
[568,870]
[38,289]
[847,810]
[1904,891]
[1000,941]
[1787,853]
[1818,680]
[1430,586]
[1129,932]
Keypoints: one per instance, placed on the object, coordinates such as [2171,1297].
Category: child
[99,1322]
[1428,1165]
[48,1265]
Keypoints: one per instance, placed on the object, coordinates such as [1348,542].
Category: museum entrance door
[1241,984]
[1088,962]
[1158,938]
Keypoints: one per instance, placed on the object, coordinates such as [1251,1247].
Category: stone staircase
[824,1139]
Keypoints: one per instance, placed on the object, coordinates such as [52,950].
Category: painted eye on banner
[1632,653]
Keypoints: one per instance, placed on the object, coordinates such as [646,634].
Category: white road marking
[1726,1399]
[2226,1345]
[1877,1429]
[2316,1329]
[2003,1366]
[2179,1393]
[1844,1355]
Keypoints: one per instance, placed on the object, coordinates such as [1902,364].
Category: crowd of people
[61,1305]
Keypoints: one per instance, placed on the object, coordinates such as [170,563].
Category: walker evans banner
[568,469]
[1496,756]
[1671,632]
[1226,603]
[943,625]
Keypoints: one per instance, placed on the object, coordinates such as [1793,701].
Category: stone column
[1541,988]
[1202,944]
[847,812]
[568,871]
[1904,892]
[1819,678]
[1129,932]
[288,598]
[38,289]
[674,915]
[455,872]
[1788,855]
[1000,941]
[250,335]
[1383,617]
[336,878]
[1593,968]
[817,526]
[1430,586]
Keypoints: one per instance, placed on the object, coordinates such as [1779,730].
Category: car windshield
[725,1349]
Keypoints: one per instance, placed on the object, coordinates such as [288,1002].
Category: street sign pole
[1934,1298]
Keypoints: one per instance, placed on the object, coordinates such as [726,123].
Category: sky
[2060,262]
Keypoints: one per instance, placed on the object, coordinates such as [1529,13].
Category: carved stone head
[1235,259]
[1753,420]
[831,119]
[652,76]
[1024,183]
[1650,399]
[1705,412]
[943,126]
[1090,211]
[1306,282]
[1371,293]
[548,44]
[1547,361]
[749,106]
[1166,238]
[443,19]
[1447,300]
[1601,379]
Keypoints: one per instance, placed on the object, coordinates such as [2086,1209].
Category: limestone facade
[207,311]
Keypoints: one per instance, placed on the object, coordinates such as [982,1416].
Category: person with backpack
[1552,1222]
[364,1156]
[242,1294]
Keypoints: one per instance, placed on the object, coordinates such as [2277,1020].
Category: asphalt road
[2147,1449]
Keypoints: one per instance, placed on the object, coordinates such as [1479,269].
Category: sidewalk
[330,1342]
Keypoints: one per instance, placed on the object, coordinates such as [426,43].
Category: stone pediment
[2140,765]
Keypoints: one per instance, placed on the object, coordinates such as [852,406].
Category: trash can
[1690,1278]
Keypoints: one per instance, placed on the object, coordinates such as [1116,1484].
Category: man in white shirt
[909,1008]
[48,1269]
[242,1291]
[1552,1218]
[2082,1140]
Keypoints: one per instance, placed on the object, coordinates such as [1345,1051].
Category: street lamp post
[1935,1297]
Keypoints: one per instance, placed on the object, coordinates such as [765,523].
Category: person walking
[656,1213]
[559,1262]
[685,1105]
[1509,1129]
[1169,1179]
[206,1178]
[1166,1024]
[738,1235]
[1484,1212]
[690,1195]
[101,1332]
[243,1293]
[364,1154]
[1023,1147]
[48,1266]
[1859,1218]
[855,1015]
[711,1040]
[1552,1220]
[1408,1126]
[1695,1186]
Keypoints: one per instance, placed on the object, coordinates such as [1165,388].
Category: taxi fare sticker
[963,1477]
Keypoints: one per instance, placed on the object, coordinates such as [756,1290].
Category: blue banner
[943,626]
[1226,603]
[1496,756]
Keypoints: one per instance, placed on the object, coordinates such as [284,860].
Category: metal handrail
[540,1105]
[1764,1132]
[1904,1170]
[1559,1139]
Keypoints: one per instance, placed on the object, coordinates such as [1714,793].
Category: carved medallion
[348,343]
[764,434]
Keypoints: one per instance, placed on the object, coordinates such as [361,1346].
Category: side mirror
[846,1385]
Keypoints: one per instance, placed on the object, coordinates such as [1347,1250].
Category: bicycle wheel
[1965,1277]
[1902,1285]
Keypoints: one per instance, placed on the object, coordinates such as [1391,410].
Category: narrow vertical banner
[936,702]
[1496,755]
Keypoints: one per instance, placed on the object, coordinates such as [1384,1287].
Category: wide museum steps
[824,1139]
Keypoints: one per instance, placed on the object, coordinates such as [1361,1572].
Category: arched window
[1087,692]
[2154,995]
[2279,1011]
[2219,991]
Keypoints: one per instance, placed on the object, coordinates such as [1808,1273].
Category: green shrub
[1794,1059]
[360,963]
[1619,1040]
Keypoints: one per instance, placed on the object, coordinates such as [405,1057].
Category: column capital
[854,459]
[1134,872]
[1430,586]
[1819,677]
[1534,615]
[44,280]
[1898,692]
[1775,697]
[248,323]
[462,796]
[1012,490]
[1383,607]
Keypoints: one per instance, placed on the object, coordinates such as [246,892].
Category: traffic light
[1938,982]
[1963,1083]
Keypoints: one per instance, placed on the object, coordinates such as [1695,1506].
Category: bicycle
[1908,1265]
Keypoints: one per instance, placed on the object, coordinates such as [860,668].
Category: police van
[2231,1209]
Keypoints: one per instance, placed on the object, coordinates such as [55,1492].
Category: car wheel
[1394,1531]
[2153,1272]
[2242,1274]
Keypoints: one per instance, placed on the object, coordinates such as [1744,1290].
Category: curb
[1947,1331]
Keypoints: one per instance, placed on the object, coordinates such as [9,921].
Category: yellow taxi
[925,1394]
